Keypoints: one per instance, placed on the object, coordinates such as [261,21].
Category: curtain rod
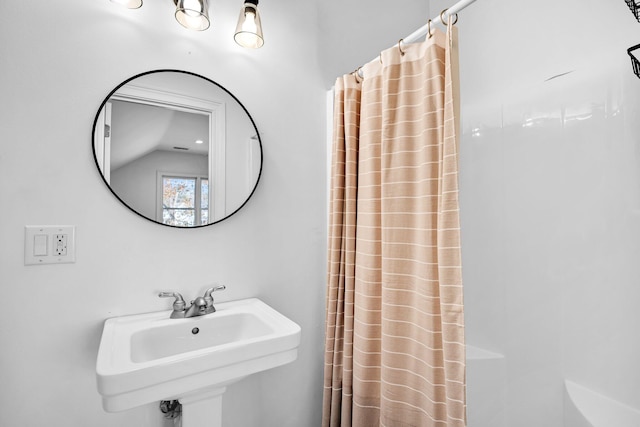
[422,31]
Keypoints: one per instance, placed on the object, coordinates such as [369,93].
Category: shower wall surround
[550,198]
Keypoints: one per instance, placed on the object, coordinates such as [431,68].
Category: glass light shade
[249,29]
[193,14]
[129,4]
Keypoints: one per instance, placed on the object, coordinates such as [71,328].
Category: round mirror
[177,148]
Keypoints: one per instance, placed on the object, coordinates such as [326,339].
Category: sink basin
[149,357]
[172,338]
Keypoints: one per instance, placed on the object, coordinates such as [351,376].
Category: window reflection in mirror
[184,200]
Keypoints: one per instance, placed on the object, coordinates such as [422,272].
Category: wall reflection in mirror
[177,148]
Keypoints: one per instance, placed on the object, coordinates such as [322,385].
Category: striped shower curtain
[395,352]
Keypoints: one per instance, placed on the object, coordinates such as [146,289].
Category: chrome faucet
[199,306]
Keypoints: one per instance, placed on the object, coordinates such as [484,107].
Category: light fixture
[249,28]
[129,4]
[194,15]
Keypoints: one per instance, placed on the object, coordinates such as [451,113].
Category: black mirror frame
[95,158]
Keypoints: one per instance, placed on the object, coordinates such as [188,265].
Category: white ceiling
[139,129]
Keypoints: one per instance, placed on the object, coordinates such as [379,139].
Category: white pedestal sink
[149,357]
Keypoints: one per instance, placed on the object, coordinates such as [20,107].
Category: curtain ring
[380,57]
[400,47]
[429,35]
[356,74]
[442,18]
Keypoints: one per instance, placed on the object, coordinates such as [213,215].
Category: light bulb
[249,29]
[250,22]
[193,14]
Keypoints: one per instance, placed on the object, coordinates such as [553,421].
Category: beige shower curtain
[395,353]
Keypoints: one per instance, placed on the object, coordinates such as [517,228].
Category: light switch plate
[49,244]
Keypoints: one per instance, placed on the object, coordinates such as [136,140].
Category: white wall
[550,197]
[59,61]
[354,32]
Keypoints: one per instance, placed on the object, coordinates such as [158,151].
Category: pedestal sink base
[203,409]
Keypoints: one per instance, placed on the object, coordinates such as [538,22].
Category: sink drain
[194,331]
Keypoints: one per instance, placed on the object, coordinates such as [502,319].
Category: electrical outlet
[49,244]
[60,244]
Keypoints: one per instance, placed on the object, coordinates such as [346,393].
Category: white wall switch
[49,244]
[40,247]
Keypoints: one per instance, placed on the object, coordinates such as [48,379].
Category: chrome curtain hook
[400,47]
[442,18]
[429,35]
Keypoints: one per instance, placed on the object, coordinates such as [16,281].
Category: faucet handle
[209,299]
[209,291]
[178,304]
